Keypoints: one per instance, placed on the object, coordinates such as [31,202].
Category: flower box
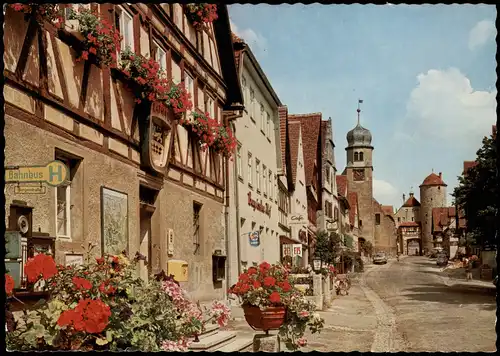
[269,318]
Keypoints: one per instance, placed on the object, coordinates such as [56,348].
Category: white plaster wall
[262,147]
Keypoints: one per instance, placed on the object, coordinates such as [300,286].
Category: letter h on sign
[58,174]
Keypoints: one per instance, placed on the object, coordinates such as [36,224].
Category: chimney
[440,175]
[411,195]
[404,198]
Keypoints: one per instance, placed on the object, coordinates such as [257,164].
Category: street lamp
[317,264]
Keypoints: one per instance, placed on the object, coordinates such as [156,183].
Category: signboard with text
[292,250]
[254,238]
[298,219]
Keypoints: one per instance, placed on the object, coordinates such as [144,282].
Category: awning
[286,240]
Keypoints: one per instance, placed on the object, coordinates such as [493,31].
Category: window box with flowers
[201,14]
[150,83]
[51,13]
[270,302]
[99,37]
[104,306]
[203,127]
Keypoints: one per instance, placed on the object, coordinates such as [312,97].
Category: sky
[426,75]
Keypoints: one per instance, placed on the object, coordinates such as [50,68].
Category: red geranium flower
[269,281]
[91,316]
[82,283]
[275,298]
[40,265]
[9,284]
[99,260]
[286,286]
[244,277]
[256,284]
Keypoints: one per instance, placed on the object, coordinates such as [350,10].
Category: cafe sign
[264,208]
[298,219]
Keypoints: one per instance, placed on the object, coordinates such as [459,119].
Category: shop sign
[264,208]
[292,250]
[254,238]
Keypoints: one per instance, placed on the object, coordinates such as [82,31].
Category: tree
[478,194]
[324,248]
[367,247]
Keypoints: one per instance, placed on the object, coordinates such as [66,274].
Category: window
[264,180]
[210,107]
[276,190]
[252,104]
[262,119]
[125,25]
[196,224]
[361,156]
[239,163]
[399,219]
[270,182]
[249,168]
[189,83]
[159,55]
[327,176]
[268,120]
[257,174]
[377,219]
[412,218]
[63,197]
[356,156]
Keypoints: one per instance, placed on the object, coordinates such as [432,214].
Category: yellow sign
[54,173]
[30,189]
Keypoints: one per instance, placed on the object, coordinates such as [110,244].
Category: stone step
[212,342]
[209,331]
[237,345]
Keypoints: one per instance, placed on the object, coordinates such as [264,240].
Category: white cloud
[255,40]
[385,193]
[481,33]
[444,106]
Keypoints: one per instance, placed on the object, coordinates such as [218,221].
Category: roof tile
[433,179]
[409,224]
[411,202]
[342,184]
[294,135]
[311,124]
[468,165]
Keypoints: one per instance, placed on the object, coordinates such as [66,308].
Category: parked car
[442,259]
[380,258]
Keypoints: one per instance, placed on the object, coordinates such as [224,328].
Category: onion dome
[359,136]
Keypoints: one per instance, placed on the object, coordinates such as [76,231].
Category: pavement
[409,306]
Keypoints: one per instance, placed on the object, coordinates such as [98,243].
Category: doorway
[147,197]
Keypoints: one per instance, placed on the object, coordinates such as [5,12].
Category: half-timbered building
[137,178]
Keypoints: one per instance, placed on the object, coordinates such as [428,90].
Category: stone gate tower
[432,195]
[359,172]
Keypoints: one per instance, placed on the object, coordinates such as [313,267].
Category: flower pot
[271,318]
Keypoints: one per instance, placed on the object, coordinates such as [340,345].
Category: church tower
[359,172]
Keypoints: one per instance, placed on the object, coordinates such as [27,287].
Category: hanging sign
[296,250]
[287,250]
[254,238]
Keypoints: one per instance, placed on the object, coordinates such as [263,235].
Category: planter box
[300,275]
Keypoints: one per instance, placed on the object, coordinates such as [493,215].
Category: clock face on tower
[359,174]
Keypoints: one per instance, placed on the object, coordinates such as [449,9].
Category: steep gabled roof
[294,135]
[341,185]
[468,165]
[282,115]
[411,202]
[222,31]
[442,218]
[388,210]
[311,124]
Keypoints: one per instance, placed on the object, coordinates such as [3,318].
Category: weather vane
[360,101]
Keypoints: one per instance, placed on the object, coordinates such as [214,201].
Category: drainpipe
[228,119]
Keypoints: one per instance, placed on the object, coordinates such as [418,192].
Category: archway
[413,247]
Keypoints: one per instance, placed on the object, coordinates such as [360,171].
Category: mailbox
[13,245]
[178,269]
[14,270]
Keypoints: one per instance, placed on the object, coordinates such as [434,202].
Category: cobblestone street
[405,306]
